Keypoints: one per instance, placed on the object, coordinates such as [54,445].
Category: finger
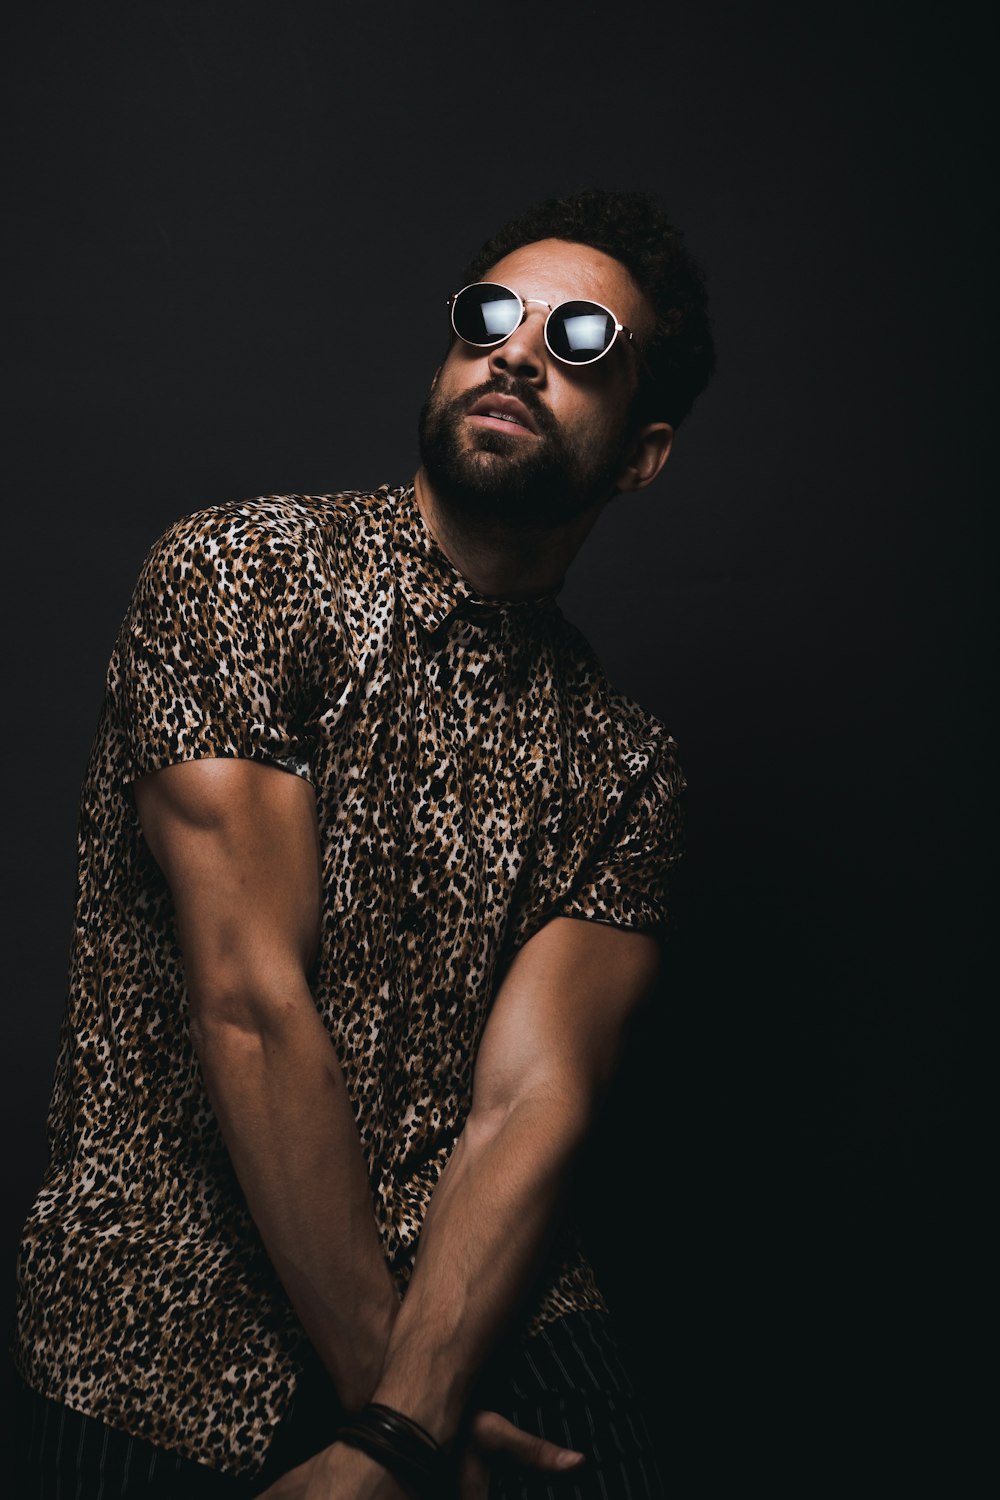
[493,1434]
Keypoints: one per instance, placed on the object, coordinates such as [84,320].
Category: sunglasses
[576,333]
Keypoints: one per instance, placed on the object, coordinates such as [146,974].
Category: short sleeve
[205,664]
[624,880]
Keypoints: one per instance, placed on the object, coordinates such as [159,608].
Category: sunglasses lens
[485,313]
[580,332]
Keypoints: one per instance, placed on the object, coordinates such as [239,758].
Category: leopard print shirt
[475,775]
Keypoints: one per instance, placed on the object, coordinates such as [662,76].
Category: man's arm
[548,1052]
[238,845]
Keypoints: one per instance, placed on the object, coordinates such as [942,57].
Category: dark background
[219,214]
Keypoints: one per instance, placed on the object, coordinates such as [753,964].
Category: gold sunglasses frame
[574,364]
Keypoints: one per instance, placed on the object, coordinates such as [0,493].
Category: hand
[338,1473]
[492,1436]
[342,1473]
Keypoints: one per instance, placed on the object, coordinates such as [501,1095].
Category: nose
[523,354]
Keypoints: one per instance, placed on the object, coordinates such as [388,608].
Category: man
[372,871]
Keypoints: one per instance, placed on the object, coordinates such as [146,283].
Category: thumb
[493,1434]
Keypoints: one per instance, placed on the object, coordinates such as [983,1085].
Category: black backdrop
[218,213]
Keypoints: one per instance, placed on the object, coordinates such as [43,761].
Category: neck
[498,559]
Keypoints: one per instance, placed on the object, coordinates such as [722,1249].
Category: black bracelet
[400,1445]
[397,1420]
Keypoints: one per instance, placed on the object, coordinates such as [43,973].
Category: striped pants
[567,1384]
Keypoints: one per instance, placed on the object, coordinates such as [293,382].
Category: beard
[485,474]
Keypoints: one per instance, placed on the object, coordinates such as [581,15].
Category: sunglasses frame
[574,364]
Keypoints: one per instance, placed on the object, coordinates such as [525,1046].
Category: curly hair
[632,228]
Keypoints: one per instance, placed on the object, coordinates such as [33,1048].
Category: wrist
[436,1403]
[342,1468]
[354,1356]
[402,1448]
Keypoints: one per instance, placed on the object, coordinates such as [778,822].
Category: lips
[506,410]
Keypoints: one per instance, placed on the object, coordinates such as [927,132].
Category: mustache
[521,391]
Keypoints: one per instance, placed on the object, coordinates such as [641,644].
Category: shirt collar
[432,585]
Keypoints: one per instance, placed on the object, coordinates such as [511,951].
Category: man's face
[571,434]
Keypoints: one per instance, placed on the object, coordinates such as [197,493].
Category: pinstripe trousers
[567,1384]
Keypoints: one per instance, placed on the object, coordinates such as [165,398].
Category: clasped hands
[343,1473]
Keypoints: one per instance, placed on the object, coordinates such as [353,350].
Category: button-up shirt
[475,775]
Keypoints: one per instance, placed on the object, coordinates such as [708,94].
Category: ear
[648,454]
[437,372]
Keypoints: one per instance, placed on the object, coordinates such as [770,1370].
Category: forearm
[488,1225]
[277,1090]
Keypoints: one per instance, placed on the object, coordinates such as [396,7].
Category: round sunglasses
[576,333]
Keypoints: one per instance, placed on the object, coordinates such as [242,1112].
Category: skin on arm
[239,847]
[548,1053]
